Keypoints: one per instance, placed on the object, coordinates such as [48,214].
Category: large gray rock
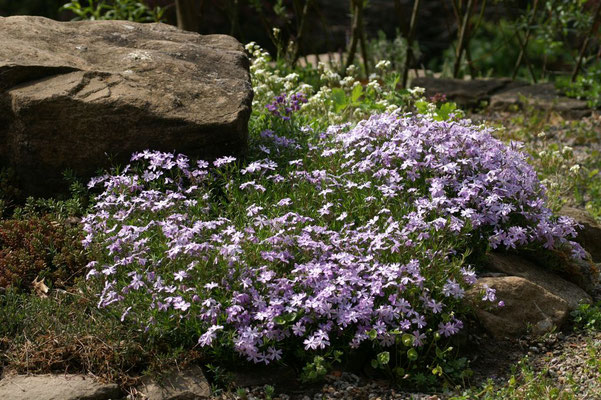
[74,93]
[56,387]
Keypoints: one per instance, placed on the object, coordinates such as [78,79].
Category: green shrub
[131,10]
[587,316]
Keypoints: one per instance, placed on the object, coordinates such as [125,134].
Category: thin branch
[301,31]
[594,28]
[524,44]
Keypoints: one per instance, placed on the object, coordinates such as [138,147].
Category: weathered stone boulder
[56,387]
[543,96]
[535,297]
[466,93]
[187,384]
[584,273]
[527,306]
[73,94]
[514,265]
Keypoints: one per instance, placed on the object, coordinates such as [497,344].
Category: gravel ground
[571,362]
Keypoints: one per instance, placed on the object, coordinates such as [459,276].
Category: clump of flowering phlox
[360,239]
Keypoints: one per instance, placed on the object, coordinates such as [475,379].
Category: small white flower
[417,91]
[383,64]
[351,70]
[347,81]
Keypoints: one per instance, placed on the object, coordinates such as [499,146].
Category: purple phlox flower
[207,338]
[452,288]
[319,339]
[489,293]
[223,161]
[180,275]
[449,328]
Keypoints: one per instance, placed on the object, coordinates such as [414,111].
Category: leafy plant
[316,370]
[587,86]
[588,316]
[131,10]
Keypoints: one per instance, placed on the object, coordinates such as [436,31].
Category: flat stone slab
[188,384]
[543,96]
[466,93]
[74,94]
[503,94]
[56,387]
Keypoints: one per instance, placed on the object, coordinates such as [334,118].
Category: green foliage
[331,98]
[587,86]
[66,332]
[524,384]
[316,370]
[269,392]
[588,317]
[381,360]
[551,30]
[131,10]
[220,377]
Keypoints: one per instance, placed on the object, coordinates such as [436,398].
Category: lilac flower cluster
[283,106]
[361,239]
[469,178]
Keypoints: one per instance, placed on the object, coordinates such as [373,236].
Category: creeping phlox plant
[360,241]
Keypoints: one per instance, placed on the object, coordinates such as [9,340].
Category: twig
[522,54]
[594,28]
[301,31]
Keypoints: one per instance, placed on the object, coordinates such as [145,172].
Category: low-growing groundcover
[356,237]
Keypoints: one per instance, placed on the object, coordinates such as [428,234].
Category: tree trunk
[463,40]
[410,37]
[363,42]
[355,9]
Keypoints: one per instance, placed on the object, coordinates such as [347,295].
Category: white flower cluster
[379,94]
